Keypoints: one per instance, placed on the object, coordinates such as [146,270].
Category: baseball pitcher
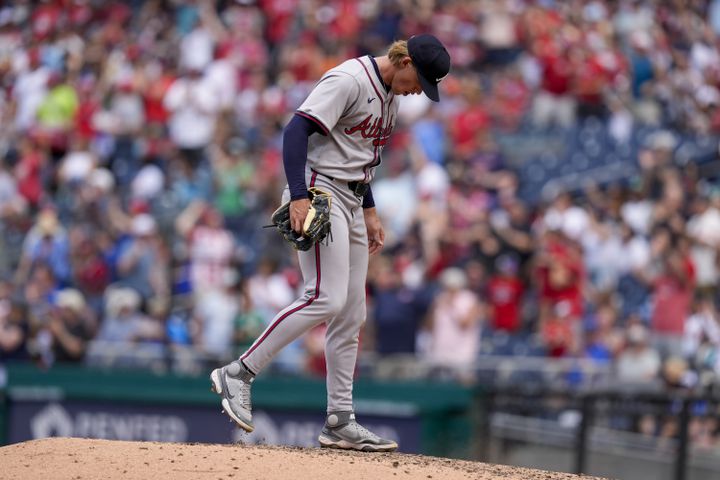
[331,148]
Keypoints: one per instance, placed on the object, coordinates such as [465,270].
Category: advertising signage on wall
[69,418]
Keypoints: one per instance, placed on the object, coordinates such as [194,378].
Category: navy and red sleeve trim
[295,148]
[323,128]
[368,200]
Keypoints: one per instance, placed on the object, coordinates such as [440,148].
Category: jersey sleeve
[330,98]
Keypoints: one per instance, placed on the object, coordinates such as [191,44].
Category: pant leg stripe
[294,310]
[299,307]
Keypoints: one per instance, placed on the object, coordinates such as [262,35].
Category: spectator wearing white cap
[454,323]
[148,183]
[78,164]
[567,217]
[73,326]
[95,201]
[64,335]
[123,321]
[638,362]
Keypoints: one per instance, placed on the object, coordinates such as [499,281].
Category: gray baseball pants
[334,276]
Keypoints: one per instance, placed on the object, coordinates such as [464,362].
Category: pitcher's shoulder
[353,67]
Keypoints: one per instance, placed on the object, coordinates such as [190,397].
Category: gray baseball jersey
[357,115]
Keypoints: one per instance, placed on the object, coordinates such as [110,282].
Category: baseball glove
[317,222]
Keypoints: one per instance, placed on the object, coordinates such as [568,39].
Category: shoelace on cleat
[245,395]
[362,431]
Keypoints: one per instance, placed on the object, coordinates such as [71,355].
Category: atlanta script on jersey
[357,116]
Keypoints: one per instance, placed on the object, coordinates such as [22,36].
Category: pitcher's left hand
[376,234]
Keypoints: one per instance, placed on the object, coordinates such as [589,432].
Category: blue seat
[586,150]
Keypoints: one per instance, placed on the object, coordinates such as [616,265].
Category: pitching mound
[82,459]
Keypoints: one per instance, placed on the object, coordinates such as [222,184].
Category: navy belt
[358,188]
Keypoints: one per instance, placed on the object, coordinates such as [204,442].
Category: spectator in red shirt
[470,120]
[90,104]
[554,103]
[28,171]
[154,92]
[672,300]
[280,14]
[560,274]
[588,84]
[559,331]
[90,270]
[45,19]
[302,59]
[509,99]
[504,294]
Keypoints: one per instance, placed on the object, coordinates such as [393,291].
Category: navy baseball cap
[432,62]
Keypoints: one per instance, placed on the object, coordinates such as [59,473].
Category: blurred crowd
[141,156]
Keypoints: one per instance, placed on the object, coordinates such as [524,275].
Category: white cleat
[233,382]
[343,432]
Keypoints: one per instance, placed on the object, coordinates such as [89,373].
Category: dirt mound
[84,459]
